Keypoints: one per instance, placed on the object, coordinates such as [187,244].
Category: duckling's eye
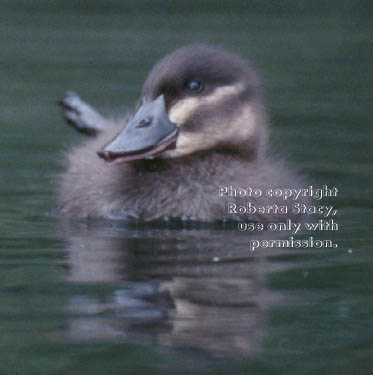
[195,86]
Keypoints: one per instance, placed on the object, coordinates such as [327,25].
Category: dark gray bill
[148,133]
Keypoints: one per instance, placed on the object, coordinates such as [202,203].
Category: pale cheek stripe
[185,108]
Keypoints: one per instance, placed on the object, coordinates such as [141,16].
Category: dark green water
[93,298]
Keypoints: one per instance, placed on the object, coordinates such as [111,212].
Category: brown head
[196,99]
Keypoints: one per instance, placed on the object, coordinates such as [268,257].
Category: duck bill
[147,134]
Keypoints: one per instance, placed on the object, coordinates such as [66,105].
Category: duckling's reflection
[199,289]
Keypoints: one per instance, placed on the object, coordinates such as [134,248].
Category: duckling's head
[196,99]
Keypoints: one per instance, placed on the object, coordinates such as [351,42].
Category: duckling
[200,125]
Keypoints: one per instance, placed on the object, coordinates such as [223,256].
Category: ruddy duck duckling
[199,127]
